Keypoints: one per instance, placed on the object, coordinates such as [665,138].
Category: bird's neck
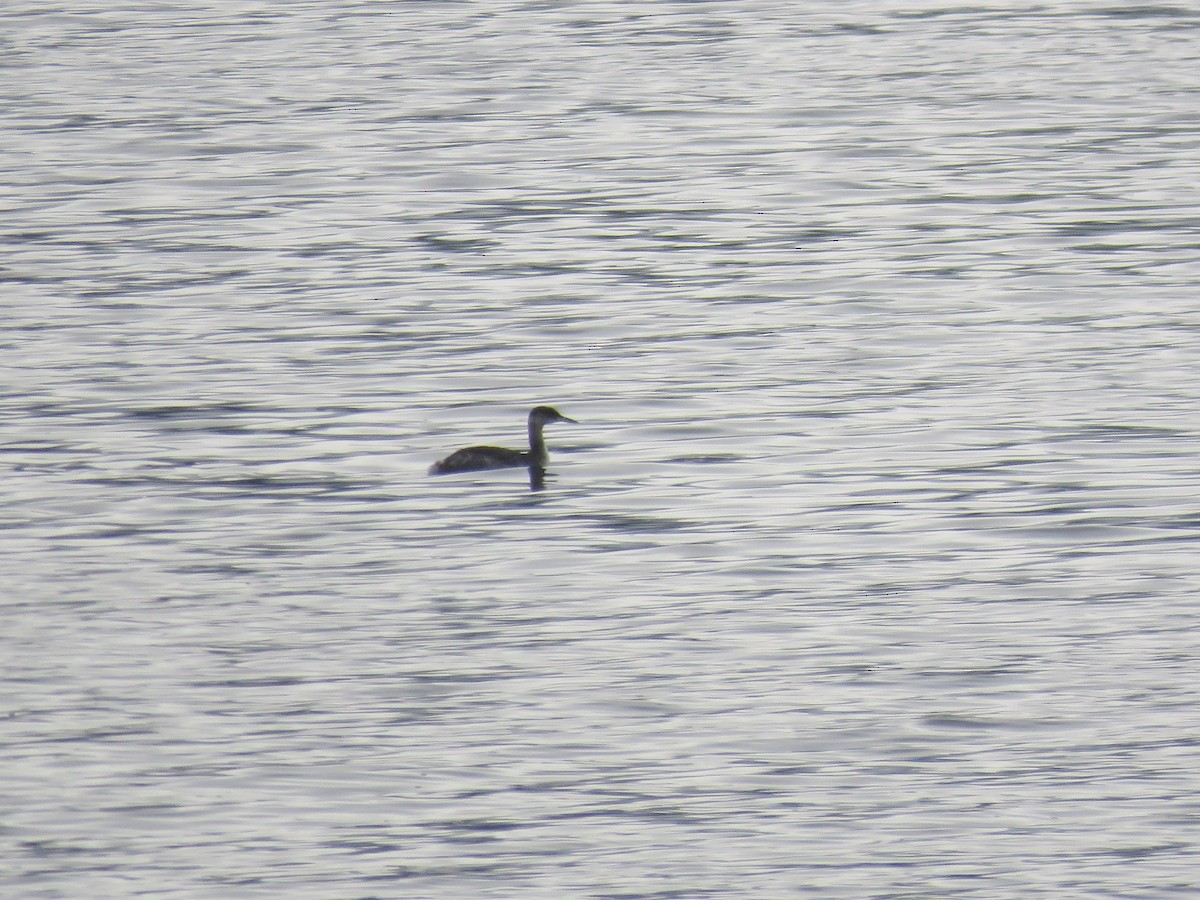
[537,445]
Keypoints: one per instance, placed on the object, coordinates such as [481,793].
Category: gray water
[870,571]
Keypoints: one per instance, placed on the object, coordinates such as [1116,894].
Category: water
[870,571]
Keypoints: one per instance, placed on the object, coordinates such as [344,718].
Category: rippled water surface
[870,571]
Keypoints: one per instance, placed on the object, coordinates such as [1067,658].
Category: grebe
[476,459]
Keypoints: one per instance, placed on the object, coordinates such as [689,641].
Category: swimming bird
[476,459]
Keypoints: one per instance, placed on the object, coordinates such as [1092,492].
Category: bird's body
[478,459]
